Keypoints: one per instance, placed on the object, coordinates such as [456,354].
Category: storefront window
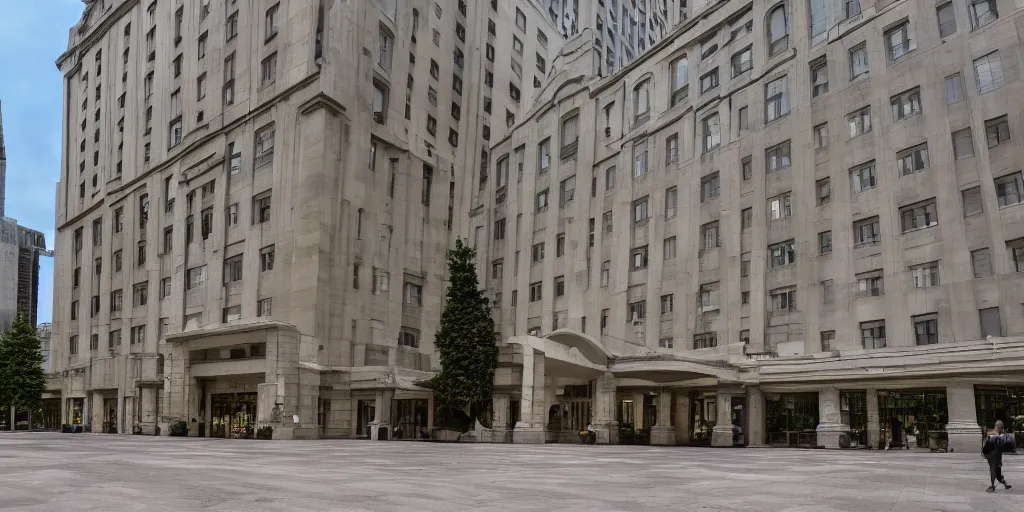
[791,419]
[1005,403]
[854,413]
[922,414]
[409,419]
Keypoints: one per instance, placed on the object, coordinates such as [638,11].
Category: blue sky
[33,33]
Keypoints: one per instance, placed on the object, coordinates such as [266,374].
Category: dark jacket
[993,447]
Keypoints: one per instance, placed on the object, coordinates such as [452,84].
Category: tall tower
[3,161]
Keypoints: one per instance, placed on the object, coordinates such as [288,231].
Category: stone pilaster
[964,431]
[664,433]
[638,411]
[382,414]
[604,422]
[721,435]
[755,417]
[533,413]
[830,421]
[683,417]
[873,426]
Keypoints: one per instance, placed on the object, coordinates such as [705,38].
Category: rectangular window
[261,208]
[566,191]
[636,311]
[973,203]
[926,329]
[982,12]
[709,236]
[671,201]
[233,269]
[858,61]
[782,299]
[781,254]
[537,253]
[776,99]
[669,248]
[963,143]
[860,122]
[541,201]
[412,294]
[991,324]
[997,131]
[954,89]
[870,284]
[536,291]
[705,340]
[195,277]
[981,262]
[862,177]
[742,61]
[1016,248]
[560,245]
[1009,189]
[667,304]
[267,258]
[824,190]
[559,286]
[912,160]
[828,338]
[709,81]
[672,149]
[898,42]
[640,159]
[747,168]
[544,155]
[821,136]
[263,307]
[747,219]
[872,334]
[640,211]
[606,221]
[777,158]
[947,19]
[867,232]
[710,187]
[140,294]
[642,101]
[780,206]
[989,72]
[819,77]
[824,242]
[680,80]
[638,258]
[606,271]
[712,132]
[925,275]
[828,291]
[906,104]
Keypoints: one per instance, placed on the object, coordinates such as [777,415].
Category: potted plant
[265,432]
[178,429]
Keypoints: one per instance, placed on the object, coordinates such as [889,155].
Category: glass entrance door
[110,415]
[234,415]
[366,411]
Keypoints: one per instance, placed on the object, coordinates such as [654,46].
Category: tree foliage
[466,340]
[22,380]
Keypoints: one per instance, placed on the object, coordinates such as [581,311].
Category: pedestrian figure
[992,449]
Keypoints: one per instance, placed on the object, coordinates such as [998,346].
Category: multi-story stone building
[801,219]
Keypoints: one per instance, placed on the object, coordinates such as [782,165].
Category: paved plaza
[75,472]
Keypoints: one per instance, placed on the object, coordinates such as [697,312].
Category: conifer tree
[22,380]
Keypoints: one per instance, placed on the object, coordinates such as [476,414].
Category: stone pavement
[74,472]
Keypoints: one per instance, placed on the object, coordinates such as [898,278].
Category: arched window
[680,79]
[642,99]
[778,30]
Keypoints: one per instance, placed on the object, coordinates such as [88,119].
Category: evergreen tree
[466,341]
[22,380]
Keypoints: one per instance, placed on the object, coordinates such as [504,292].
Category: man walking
[992,449]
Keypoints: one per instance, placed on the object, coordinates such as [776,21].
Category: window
[741,118]
[542,39]
[872,334]
[776,99]
[747,168]
[988,70]
[680,79]
[560,245]
[778,30]
[642,101]
[860,122]
[537,253]
[412,294]
[997,131]
[73,340]
[912,160]
[858,61]
[982,12]
[824,242]
[570,136]
[668,248]
[742,62]
[261,208]
[963,143]
[517,45]
[497,269]
[385,43]
[991,325]
[925,275]
[231,28]
[636,311]
[520,20]
[536,291]
[607,222]
[862,177]
[870,284]
[1009,190]
[821,136]
[866,232]
[499,229]
[174,133]
[827,291]
[710,187]
[1016,248]
[819,77]
[709,81]
[176,64]
[202,44]
[709,236]
[671,199]
[852,8]
[541,202]
[232,269]
[926,329]
[263,307]
[973,203]
[667,304]
[195,277]
[672,149]
[947,19]
[267,258]
[777,158]
[747,219]
[783,299]
[640,159]
[905,105]
[780,206]
[141,256]
[705,340]
[544,155]
[981,262]
[781,254]
[609,178]
[140,294]
[954,89]
[638,258]
[640,212]
[665,343]
[712,132]
[828,338]
[898,42]
[117,261]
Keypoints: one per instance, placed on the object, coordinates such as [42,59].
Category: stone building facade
[803,219]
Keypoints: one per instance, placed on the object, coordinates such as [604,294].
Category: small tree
[22,380]
[466,341]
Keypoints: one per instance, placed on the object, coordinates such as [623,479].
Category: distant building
[43,333]
[20,248]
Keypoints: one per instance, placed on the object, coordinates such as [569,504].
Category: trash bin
[382,433]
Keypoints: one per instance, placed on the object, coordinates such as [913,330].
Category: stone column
[532,413]
[755,417]
[604,423]
[830,421]
[96,413]
[664,432]
[683,417]
[964,431]
[721,435]
[499,420]
[638,411]
[382,414]
[873,426]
